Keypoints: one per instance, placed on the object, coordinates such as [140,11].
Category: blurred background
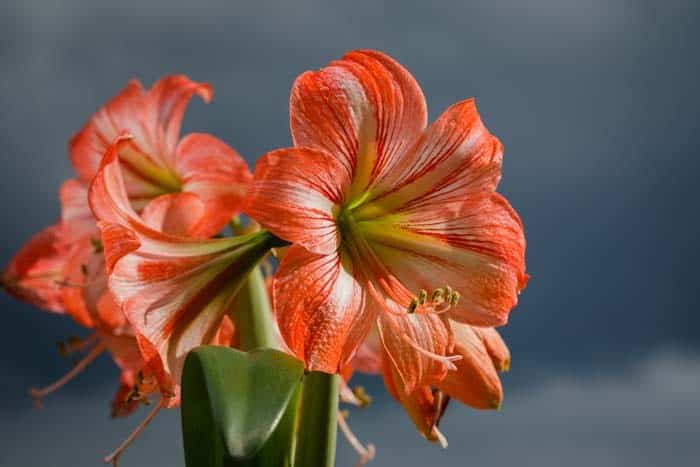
[598,106]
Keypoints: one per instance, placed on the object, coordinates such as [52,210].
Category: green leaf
[233,401]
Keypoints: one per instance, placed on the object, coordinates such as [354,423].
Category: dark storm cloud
[595,101]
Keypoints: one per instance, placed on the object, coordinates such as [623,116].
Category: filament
[444,359]
[365,454]
[38,393]
[113,457]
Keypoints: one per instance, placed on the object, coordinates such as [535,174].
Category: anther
[454,299]
[412,306]
[422,297]
[362,396]
[448,293]
[438,296]
[97,246]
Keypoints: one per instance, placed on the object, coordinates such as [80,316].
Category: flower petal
[321,308]
[77,221]
[34,273]
[476,382]
[404,335]
[420,404]
[476,246]
[217,174]
[495,346]
[154,118]
[365,109]
[456,156]
[294,194]
[368,358]
[178,214]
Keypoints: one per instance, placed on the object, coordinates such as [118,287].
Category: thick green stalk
[318,416]
[252,315]
[255,329]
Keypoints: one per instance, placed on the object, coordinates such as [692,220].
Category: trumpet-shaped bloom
[156,160]
[393,222]
[62,269]
[174,288]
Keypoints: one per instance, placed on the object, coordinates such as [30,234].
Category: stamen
[366,454]
[438,296]
[362,395]
[444,359]
[422,297]
[440,437]
[454,300]
[412,306]
[96,245]
[75,344]
[39,393]
[64,283]
[113,457]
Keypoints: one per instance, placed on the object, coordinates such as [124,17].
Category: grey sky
[596,102]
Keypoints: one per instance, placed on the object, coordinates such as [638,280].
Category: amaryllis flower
[156,160]
[174,288]
[392,222]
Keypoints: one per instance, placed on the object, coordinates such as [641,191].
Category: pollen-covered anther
[441,300]
[362,396]
[144,385]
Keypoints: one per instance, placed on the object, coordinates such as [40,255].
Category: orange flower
[174,288]
[62,269]
[393,222]
[156,161]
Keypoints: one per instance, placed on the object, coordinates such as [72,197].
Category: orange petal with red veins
[294,194]
[455,157]
[84,282]
[365,109]
[321,308]
[34,273]
[419,404]
[217,174]
[154,118]
[495,346]
[77,221]
[409,340]
[477,247]
[476,382]
[175,213]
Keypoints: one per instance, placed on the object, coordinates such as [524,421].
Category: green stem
[252,314]
[318,416]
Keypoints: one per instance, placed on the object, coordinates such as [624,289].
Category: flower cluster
[398,255]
